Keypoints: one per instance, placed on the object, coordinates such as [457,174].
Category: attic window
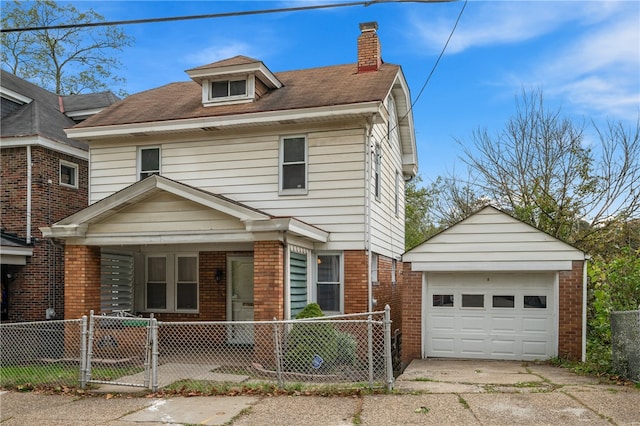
[228,88]
[239,90]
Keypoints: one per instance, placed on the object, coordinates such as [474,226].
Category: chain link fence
[625,343]
[144,352]
[37,353]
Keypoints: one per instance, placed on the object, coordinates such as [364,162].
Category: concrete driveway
[434,391]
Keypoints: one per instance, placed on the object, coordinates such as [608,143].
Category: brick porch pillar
[411,315]
[268,297]
[81,281]
[570,312]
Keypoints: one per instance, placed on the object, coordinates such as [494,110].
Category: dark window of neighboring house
[68,174]
[443,300]
[473,300]
[535,302]
[149,162]
[504,301]
[294,163]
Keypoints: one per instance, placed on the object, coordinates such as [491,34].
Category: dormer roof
[235,66]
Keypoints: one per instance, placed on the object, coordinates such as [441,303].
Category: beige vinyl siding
[494,239]
[387,229]
[244,167]
[112,169]
[166,213]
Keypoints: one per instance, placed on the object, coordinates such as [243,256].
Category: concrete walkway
[442,392]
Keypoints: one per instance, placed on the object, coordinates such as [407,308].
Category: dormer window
[228,88]
[233,81]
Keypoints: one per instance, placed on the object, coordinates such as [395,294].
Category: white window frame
[394,271]
[72,166]
[209,100]
[171,281]
[140,171]
[314,293]
[281,164]
[377,171]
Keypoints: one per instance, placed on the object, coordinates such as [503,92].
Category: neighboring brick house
[494,287]
[246,194]
[44,179]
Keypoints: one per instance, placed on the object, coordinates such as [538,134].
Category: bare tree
[65,61]
[543,169]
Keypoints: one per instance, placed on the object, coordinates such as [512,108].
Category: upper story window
[228,88]
[148,161]
[377,157]
[68,174]
[293,165]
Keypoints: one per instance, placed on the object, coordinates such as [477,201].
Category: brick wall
[570,312]
[411,315]
[81,281]
[39,284]
[268,280]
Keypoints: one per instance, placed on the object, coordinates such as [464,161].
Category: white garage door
[490,315]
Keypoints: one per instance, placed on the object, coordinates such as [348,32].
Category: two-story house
[44,179]
[246,194]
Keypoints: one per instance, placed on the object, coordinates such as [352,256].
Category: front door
[240,299]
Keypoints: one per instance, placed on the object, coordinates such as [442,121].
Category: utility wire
[213,15]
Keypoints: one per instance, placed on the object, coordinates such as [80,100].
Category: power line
[215,15]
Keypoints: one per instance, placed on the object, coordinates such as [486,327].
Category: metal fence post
[154,354]
[387,347]
[83,353]
[89,348]
[277,353]
[370,348]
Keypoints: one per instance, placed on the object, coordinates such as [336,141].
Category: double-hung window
[172,282]
[68,174]
[148,161]
[293,165]
[329,275]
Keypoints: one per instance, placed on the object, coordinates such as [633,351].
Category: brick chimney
[369,58]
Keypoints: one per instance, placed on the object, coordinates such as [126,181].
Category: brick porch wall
[411,315]
[268,280]
[81,281]
[570,312]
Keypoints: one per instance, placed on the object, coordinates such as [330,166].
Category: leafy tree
[65,61]
[419,222]
[543,169]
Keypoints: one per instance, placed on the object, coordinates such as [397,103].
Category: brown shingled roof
[308,88]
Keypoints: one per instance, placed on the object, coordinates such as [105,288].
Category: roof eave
[206,123]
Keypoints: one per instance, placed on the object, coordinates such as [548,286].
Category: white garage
[490,315]
[493,287]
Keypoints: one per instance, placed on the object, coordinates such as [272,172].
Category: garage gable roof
[491,240]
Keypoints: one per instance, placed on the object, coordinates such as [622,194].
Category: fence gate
[121,350]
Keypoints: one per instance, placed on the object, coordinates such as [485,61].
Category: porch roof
[136,215]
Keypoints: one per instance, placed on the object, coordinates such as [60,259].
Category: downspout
[367,162]
[29,171]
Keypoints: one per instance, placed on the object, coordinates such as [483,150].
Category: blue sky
[584,55]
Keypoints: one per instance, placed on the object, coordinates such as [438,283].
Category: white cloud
[222,49]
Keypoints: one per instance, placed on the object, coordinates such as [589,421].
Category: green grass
[34,376]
